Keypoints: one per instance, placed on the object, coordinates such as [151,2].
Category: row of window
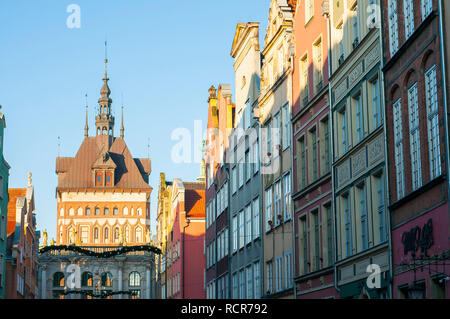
[173,286]
[358,116]
[278,126]
[315,240]
[279,274]
[432,118]
[222,288]
[250,162]
[245,226]
[221,244]
[360,216]
[278,209]
[313,154]
[246,283]
[408,20]
[134,279]
[128,234]
[97,211]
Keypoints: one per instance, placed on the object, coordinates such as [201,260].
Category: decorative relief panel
[372,56]
[340,89]
[355,74]
[359,162]
[376,150]
[343,173]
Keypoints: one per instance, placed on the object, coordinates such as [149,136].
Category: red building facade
[416,145]
[312,197]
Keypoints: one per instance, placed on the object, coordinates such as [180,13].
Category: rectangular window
[235,234]
[241,229]
[318,65]
[242,284]
[355,25]
[268,212]
[398,150]
[329,236]
[301,163]
[433,122]
[303,245]
[234,179]
[256,281]
[344,136]
[278,208]
[279,273]
[359,116]
[408,13]
[235,286]
[288,270]
[249,278]
[364,219]
[341,49]
[304,95]
[427,8]
[269,278]
[241,172]
[380,208]
[376,105]
[325,163]
[286,126]
[413,108]
[269,138]
[276,134]
[316,240]
[348,226]
[256,157]
[287,196]
[256,218]
[248,224]
[313,156]
[248,166]
[393,26]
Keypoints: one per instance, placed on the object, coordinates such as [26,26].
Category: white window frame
[408,13]
[398,148]
[414,130]
[433,122]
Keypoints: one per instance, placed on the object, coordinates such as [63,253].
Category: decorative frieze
[359,162]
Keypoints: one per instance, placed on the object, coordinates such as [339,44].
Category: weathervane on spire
[86,127]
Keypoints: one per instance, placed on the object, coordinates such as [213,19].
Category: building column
[44,283]
[147,284]
[120,283]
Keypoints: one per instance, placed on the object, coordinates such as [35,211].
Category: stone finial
[29,179]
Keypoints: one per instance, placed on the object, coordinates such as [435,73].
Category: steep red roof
[77,172]
[14,193]
[195,202]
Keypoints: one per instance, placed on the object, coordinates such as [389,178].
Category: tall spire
[86,127]
[104,121]
[122,129]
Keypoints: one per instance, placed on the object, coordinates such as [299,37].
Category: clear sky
[163,56]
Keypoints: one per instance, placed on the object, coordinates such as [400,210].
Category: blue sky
[163,57]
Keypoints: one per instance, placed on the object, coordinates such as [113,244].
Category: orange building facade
[22,245]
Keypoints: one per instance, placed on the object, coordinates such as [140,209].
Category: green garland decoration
[106,254]
[102,295]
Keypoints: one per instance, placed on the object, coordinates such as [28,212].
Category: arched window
[106,233]
[125,211]
[61,212]
[134,280]
[88,211]
[115,211]
[127,234]
[97,211]
[139,211]
[138,234]
[116,234]
[96,233]
[106,211]
[80,211]
[106,279]
[58,279]
[86,279]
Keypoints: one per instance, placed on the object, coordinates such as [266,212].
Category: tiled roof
[14,194]
[77,172]
[195,202]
